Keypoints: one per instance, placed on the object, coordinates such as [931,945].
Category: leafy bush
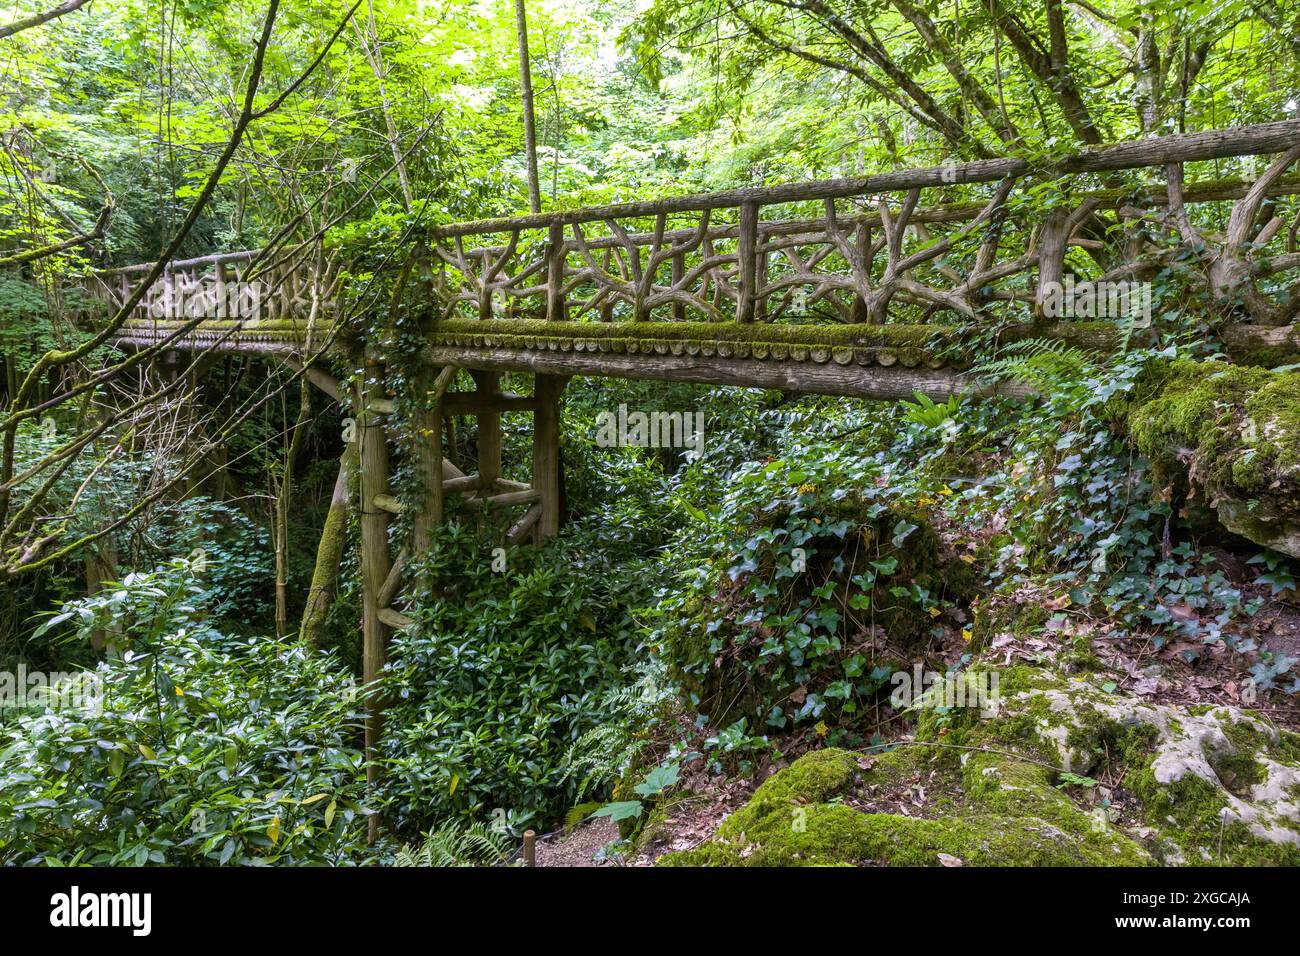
[198,749]
[499,676]
[807,569]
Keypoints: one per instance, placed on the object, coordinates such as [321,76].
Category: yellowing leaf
[935,612]
[147,752]
[329,813]
[966,634]
[821,728]
[273,829]
[455,782]
[314,798]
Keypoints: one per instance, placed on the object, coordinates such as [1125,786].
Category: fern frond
[1043,364]
[455,844]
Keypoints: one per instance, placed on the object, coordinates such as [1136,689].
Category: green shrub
[500,675]
[197,750]
[807,568]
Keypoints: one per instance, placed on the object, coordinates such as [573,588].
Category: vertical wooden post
[546,451]
[169,294]
[555,310]
[428,438]
[485,301]
[679,271]
[862,238]
[747,255]
[1053,241]
[375,560]
[222,306]
[489,431]
[430,390]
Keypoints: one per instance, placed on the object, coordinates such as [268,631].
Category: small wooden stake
[530,848]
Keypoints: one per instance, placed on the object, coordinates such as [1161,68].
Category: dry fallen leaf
[948,860]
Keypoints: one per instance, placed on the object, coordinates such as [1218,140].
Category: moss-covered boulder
[800,818]
[1227,436]
[1215,784]
[1199,786]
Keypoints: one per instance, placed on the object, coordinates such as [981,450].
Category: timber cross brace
[844,287]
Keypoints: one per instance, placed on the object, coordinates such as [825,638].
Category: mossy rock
[1227,436]
[993,615]
[1203,785]
[794,820]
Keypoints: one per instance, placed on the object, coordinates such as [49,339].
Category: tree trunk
[530,127]
[329,553]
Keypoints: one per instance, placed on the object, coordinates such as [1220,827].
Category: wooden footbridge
[865,287]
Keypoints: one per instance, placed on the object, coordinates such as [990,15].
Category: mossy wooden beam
[506,500]
[878,382]
[1156,151]
[476,403]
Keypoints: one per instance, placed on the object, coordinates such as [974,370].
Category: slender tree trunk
[530,127]
[329,553]
[369,37]
[283,501]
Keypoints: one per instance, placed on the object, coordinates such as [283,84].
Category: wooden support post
[375,563]
[428,425]
[1052,244]
[489,428]
[546,452]
[747,266]
[862,239]
[555,310]
[679,272]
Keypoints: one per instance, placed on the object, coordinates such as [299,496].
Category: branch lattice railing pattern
[866,250]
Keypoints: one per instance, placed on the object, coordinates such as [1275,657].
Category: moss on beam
[897,336]
[911,344]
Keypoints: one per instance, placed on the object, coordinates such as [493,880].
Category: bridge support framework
[381,573]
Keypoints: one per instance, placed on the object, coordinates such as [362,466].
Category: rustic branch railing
[1003,231]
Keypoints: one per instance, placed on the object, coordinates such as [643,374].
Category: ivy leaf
[901,532]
